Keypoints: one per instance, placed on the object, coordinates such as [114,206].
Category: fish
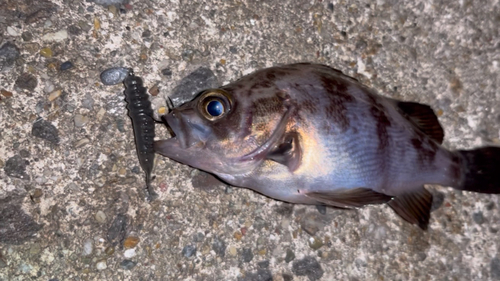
[141,115]
[306,133]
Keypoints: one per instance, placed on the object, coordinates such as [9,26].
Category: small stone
[315,243]
[495,268]
[263,264]
[219,246]
[56,36]
[101,265]
[130,242]
[233,50]
[74,30]
[287,277]
[46,52]
[80,120]
[154,90]
[262,252]
[9,53]
[16,167]
[313,222]
[246,255]
[290,256]
[114,75]
[330,7]
[189,251]
[166,72]
[136,170]
[198,237]
[117,228]
[130,253]
[309,267]
[88,101]
[198,80]
[12,31]
[128,264]
[237,235]
[97,24]
[37,193]
[478,217]
[437,200]
[100,217]
[27,36]
[109,250]
[54,95]
[233,251]
[66,65]
[162,110]
[87,247]
[5,93]
[26,81]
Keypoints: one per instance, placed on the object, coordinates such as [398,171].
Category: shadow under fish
[306,133]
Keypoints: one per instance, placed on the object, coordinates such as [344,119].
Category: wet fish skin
[306,133]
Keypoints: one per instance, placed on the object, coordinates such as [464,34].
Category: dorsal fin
[414,207]
[422,116]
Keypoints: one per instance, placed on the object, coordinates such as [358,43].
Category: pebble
[263,264]
[6,94]
[309,267]
[57,36]
[495,268]
[315,243]
[46,52]
[27,36]
[290,256]
[26,81]
[130,253]
[9,53]
[107,3]
[16,167]
[80,120]
[54,95]
[246,255]
[114,75]
[128,264]
[219,247]
[233,251]
[478,217]
[117,228]
[166,72]
[188,251]
[74,30]
[88,102]
[66,65]
[198,237]
[100,217]
[198,80]
[101,265]
[313,222]
[88,247]
[12,31]
[131,242]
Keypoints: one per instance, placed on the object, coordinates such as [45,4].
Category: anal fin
[414,207]
[424,118]
[348,198]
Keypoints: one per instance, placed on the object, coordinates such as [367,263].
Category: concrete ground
[70,207]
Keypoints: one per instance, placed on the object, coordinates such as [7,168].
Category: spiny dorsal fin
[288,152]
[424,118]
[414,207]
[348,198]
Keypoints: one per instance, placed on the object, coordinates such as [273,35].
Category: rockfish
[306,133]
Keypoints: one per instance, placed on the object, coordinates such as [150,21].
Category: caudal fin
[482,170]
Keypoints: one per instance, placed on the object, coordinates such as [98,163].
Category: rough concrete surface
[70,175]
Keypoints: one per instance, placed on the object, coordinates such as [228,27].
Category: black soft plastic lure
[141,113]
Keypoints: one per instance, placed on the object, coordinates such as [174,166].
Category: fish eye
[215,108]
[214,104]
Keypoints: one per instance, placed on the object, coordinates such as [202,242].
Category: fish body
[306,133]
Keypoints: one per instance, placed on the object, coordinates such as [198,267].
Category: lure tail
[481,170]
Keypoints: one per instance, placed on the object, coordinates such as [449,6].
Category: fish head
[225,132]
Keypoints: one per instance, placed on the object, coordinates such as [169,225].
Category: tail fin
[482,170]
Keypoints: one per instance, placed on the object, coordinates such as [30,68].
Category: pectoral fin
[348,198]
[288,152]
[414,207]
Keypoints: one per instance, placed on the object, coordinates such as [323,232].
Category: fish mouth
[187,146]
